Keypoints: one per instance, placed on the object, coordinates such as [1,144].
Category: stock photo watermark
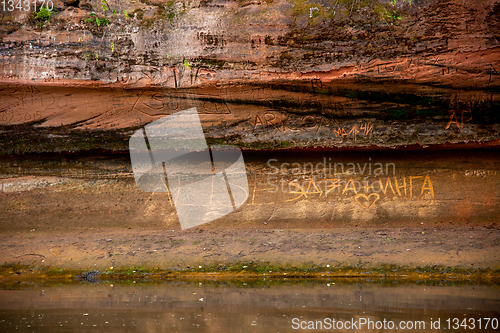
[171,155]
[325,176]
[384,324]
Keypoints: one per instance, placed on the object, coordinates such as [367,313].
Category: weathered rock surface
[261,74]
[399,207]
[258,116]
[357,75]
[428,41]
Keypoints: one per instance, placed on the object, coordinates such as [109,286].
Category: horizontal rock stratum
[414,208]
[252,116]
[180,44]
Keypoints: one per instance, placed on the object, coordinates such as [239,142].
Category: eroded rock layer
[273,74]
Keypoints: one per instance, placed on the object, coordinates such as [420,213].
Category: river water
[249,306]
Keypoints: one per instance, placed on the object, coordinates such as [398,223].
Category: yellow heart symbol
[368,205]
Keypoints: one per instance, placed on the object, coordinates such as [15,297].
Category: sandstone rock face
[345,81]
[262,74]
[261,40]
[325,189]
[257,116]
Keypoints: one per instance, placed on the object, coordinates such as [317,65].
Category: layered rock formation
[273,74]
[296,74]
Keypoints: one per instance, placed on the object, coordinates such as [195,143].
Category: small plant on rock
[42,16]
[394,15]
[97,21]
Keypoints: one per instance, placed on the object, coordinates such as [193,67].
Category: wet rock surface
[271,115]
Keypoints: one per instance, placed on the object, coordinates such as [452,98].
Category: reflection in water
[235,306]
